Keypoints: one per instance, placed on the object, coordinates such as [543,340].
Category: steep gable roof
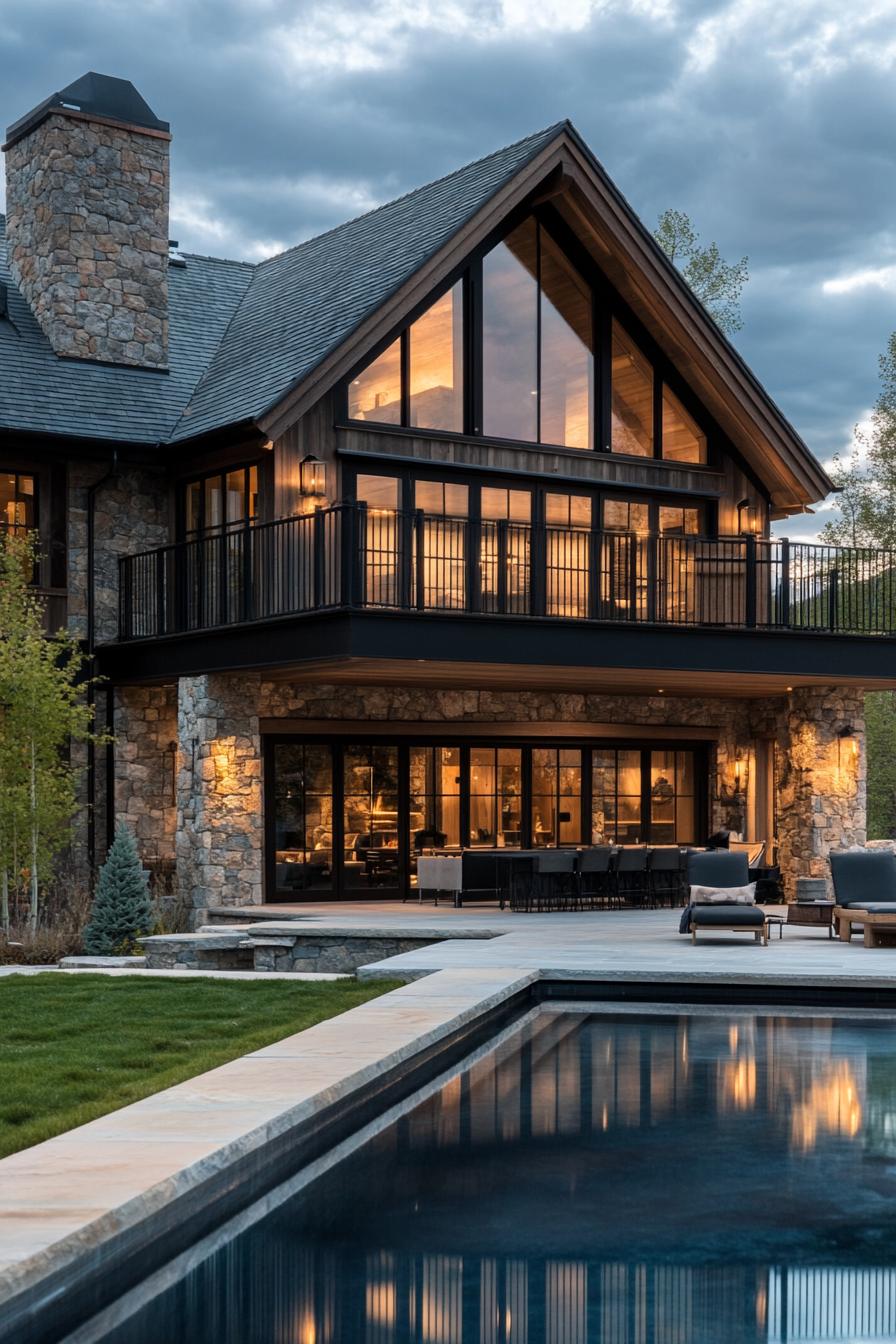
[305,302]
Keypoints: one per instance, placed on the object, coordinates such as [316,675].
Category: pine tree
[121,907]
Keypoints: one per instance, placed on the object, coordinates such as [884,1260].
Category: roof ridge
[557,126]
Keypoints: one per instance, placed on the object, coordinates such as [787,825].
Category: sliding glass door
[347,819]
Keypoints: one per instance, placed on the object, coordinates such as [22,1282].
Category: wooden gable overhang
[566,172]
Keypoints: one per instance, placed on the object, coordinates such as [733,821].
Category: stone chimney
[87,221]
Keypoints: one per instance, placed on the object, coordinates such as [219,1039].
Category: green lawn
[73,1047]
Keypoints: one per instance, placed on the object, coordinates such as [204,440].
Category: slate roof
[43,394]
[242,335]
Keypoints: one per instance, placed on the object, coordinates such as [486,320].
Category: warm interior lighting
[847,745]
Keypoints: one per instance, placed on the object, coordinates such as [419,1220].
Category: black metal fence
[350,556]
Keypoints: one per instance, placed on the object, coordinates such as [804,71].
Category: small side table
[773,921]
[812,914]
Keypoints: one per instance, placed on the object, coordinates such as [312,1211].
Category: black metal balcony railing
[352,557]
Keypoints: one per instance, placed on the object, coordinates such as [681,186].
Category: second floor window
[18,502]
[221,499]
[511,352]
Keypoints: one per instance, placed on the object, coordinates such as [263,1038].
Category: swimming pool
[644,1177]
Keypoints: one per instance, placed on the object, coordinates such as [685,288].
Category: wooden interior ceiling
[596,681]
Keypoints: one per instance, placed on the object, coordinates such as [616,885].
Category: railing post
[502,565]
[652,548]
[833,592]
[420,558]
[405,523]
[750,584]
[160,593]
[248,569]
[348,555]
[539,573]
[223,557]
[784,602]
[473,533]
[125,624]
[594,550]
[317,559]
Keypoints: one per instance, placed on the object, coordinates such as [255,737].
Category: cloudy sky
[771,122]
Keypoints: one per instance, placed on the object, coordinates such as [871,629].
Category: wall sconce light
[847,741]
[747,518]
[313,477]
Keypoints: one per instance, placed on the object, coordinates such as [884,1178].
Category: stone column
[821,780]
[219,844]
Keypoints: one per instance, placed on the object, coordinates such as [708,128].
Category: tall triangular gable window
[530,323]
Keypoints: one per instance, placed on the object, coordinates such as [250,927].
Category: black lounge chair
[723,868]
[864,879]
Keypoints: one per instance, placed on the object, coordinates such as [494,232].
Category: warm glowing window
[675,521]
[683,441]
[436,372]
[567,510]
[514,506]
[443,573]
[18,502]
[442,497]
[495,793]
[643,797]
[556,796]
[624,515]
[567,346]
[540,393]
[510,336]
[632,398]
[223,498]
[376,392]
[379,537]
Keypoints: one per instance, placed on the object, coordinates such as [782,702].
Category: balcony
[433,572]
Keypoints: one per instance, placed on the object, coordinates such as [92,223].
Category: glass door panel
[616,792]
[443,577]
[505,550]
[678,563]
[556,796]
[379,538]
[495,794]
[434,819]
[568,519]
[624,576]
[303,820]
[371,862]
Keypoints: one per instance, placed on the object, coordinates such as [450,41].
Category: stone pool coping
[70,1205]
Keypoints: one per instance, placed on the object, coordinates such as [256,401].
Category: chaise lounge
[864,881]
[722,869]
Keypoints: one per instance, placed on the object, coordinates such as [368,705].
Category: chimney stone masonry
[87,221]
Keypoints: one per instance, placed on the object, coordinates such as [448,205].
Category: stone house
[452,524]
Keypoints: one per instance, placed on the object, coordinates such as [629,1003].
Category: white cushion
[724,895]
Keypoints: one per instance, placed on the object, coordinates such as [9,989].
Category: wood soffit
[651,286]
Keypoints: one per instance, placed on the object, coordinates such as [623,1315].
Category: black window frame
[405,738]
[607,305]
[185,482]
[17,474]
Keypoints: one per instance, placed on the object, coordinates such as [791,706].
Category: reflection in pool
[725,1177]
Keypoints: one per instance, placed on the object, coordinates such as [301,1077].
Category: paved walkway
[605,945]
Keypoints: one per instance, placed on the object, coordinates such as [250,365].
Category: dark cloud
[769,123]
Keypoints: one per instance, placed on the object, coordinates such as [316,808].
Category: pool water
[648,1178]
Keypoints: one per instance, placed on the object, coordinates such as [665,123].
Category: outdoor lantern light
[313,477]
[847,741]
[747,517]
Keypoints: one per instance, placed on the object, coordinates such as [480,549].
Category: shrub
[121,909]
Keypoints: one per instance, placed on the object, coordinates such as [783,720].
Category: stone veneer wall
[145,766]
[131,514]
[219,831]
[87,235]
[219,809]
[821,787]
